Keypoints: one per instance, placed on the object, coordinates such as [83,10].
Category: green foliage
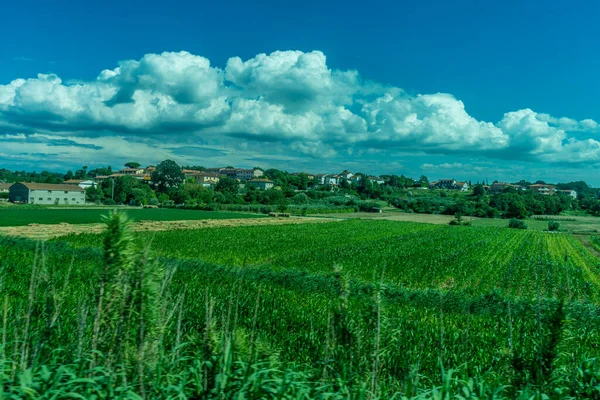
[93,194]
[167,176]
[517,223]
[415,311]
[132,164]
[478,190]
[553,226]
[18,216]
[24,176]
[228,187]
[300,198]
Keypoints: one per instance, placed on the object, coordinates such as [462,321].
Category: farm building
[569,192]
[45,193]
[546,190]
[4,187]
[81,183]
[132,171]
[237,173]
[261,184]
[205,178]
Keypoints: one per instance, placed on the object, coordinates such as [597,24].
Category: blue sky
[470,89]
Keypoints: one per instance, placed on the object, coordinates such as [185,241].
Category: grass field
[354,309]
[16,216]
[575,224]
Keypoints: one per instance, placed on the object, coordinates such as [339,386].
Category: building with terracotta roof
[237,173]
[132,171]
[546,190]
[46,193]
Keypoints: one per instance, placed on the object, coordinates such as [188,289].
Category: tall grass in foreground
[131,336]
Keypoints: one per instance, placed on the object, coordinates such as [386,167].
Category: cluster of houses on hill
[543,189]
[73,191]
[449,184]
[339,179]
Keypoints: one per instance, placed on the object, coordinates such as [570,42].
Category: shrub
[300,198]
[517,224]
[109,202]
[553,226]
[368,206]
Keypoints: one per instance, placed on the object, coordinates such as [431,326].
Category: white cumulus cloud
[289,102]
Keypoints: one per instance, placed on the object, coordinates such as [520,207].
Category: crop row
[419,256]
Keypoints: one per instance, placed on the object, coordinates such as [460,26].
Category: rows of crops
[505,307]
[420,256]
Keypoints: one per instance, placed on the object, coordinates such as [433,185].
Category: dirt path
[44,232]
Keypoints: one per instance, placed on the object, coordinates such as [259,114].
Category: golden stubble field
[49,231]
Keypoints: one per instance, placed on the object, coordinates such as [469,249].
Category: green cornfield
[352,309]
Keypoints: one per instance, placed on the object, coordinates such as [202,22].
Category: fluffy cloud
[288,103]
[432,121]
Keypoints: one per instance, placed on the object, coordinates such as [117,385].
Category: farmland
[21,216]
[349,309]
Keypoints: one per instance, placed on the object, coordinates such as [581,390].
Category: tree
[553,226]
[516,209]
[94,194]
[132,164]
[124,186]
[81,173]
[227,185]
[424,181]
[300,198]
[595,207]
[517,224]
[478,190]
[69,175]
[167,175]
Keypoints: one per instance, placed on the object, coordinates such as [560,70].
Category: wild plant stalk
[539,325]
[509,310]
[142,336]
[441,356]
[567,276]
[209,305]
[82,321]
[175,354]
[32,292]
[254,324]
[374,376]
[4,326]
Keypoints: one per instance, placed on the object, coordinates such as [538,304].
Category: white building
[84,184]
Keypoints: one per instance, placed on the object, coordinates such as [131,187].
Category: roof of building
[261,180]
[5,185]
[51,186]
[77,181]
[203,173]
[131,169]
